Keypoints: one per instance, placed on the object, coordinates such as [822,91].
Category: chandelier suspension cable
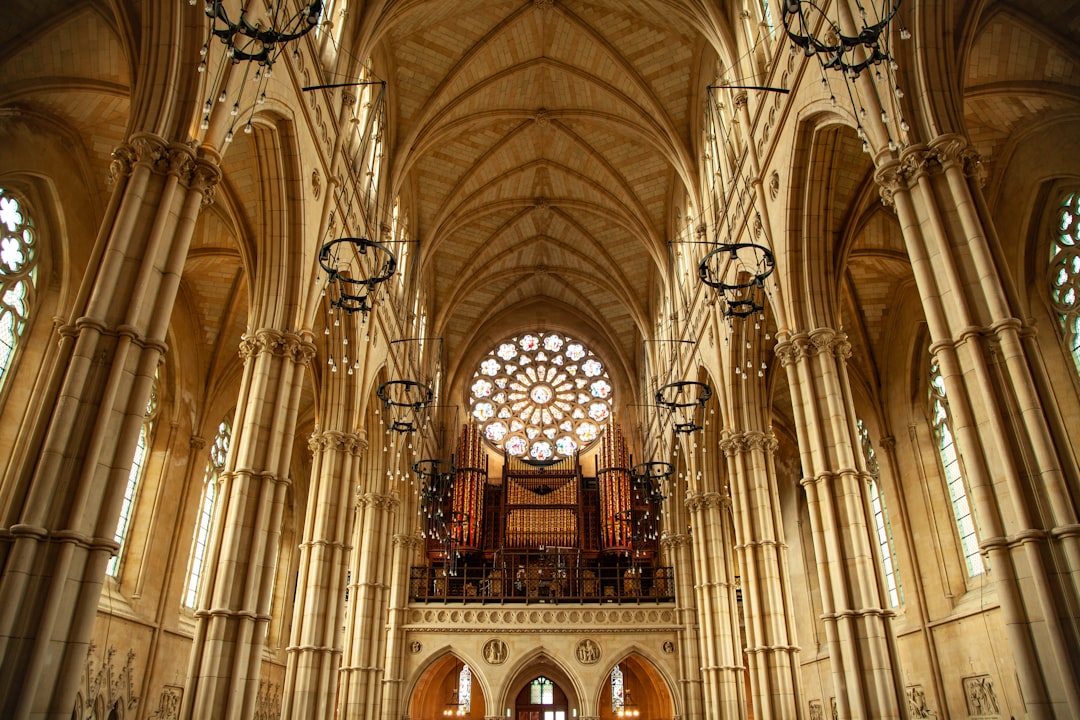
[751,262]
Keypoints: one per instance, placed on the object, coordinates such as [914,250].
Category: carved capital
[953,150]
[202,176]
[123,160]
[791,352]
[916,161]
[378,501]
[196,442]
[890,179]
[740,100]
[670,542]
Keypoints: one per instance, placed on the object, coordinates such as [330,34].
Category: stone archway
[436,695]
[647,695]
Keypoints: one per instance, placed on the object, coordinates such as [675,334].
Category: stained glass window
[950,461]
[881,522]
[617,698]
[18,275]
[214,466]
[541,396]
[1065,271]
[465,690]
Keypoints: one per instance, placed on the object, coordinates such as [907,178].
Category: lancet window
[214,466]
[138,465]
[881,521]
[950,461]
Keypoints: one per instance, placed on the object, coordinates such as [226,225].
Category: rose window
[541,396]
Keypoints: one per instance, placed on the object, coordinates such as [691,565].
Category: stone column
[771,649]
[365,648]
[57,535]
[721,661]
[405,549]
[311,673]
[858,629]
[678,551]
[1006,422]
[234,609]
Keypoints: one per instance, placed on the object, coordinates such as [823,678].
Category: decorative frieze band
[571,620]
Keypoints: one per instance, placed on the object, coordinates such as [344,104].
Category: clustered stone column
[234,607]
[857,626]
[56,539]
[311,674]
[714,566]
[365,635]
[405,550]
[1003,414]
[678,551]
[771,649]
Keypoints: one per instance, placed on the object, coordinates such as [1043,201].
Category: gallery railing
[541,583]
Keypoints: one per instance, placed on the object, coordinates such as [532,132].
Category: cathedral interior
[539,359]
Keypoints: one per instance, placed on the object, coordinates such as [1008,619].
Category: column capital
[952,149]
[379,501]
[278,343]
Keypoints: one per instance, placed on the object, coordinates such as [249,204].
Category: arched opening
[635,690]
[448,689]
[541,699]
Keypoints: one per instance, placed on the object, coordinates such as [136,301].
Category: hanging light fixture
[254,36]
[750,263]
[685,400]
[848,45]
[404,404]
[353,274]
[629,708]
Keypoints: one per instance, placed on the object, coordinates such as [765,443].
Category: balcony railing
[541,582]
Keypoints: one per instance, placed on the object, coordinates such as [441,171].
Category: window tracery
[1065,272]
[18,275]
[541,396]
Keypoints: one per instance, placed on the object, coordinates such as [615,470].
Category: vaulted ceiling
[544,146]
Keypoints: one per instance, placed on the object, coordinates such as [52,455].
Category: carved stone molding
[196,443]
[542,117]
[409,542]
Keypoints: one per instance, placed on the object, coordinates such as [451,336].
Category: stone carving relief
[415,646]
[495,651]
[816,711]
[588,652]
[268,701]
[917,707]
[168,706]
[981,699]
[106,688]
